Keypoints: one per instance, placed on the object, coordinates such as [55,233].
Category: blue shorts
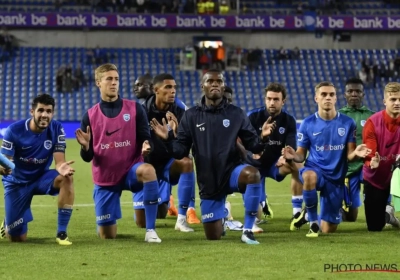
[352,190]
[331,196]
[18,197]
[165,183]
[212,210]
[107,199]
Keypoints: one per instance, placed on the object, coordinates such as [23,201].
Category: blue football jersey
[327,142]
[32,152]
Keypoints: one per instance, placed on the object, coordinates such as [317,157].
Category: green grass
[281,255]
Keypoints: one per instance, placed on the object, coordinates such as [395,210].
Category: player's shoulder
[180,104]
[192,111]
[256,111]
[342,118]
[19,126]
[235,111]
[288,116]
[310,118]
[55,125]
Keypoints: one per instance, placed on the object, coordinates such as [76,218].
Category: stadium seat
[33,71]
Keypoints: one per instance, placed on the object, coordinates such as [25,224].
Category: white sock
[181,217]
[306,216]
[296,210]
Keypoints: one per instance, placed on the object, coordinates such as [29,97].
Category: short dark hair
[147,78]
[44,99]
[161,77]
[212,70]
[228,90]
[323,84]
[276,87]
[354,81]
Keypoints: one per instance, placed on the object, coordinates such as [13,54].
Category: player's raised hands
[362,151]
[288,153]
[268,127]
[172,121]
[65,168]
[161,130]
[146,148]
[83,138]
[374,164]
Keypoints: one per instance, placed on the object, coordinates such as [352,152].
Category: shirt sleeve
[353,133]
[142,126]
[87,155]
[8,145]
[253,120]
[60,145]
[180,146]
[302,137]
[369,139]
[291,134]
[249,137]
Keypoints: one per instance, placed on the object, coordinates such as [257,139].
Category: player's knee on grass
[213,230]
[310,180]
[162,210]
[248,175]
[146,173]
[351,215]
[107,230]
[327,227]
[140,218]
[18,234]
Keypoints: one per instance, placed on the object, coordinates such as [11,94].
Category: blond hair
[323,84]
[392,87]
[98,73]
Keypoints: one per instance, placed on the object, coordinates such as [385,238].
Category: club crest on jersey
[341,131]
[226,122]
[48,144]
[281,130]
[127,117]
[363,122]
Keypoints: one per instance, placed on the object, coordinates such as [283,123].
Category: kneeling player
[270,163]
[329,137]
[212,127]
[32,144]
[162,105]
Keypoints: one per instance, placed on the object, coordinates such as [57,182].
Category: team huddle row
[144,147]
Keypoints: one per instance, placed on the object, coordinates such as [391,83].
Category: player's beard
[41,123]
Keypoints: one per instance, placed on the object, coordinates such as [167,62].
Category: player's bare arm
[3,170]
[297,156]
[62,166]
[353,152]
